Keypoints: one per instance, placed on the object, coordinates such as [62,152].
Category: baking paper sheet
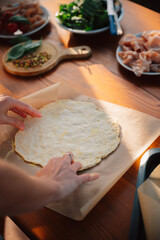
[138,131]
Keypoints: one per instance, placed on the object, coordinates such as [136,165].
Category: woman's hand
[61,174]
[52,183]
[22,109]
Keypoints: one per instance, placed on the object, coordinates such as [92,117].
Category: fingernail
[70,155]
[80,165]
[21,127]
[39,115]
[94,175]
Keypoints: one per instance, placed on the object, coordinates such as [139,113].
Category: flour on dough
[68,126]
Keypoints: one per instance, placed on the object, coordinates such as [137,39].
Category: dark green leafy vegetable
[16,52]
[18,18]
[19,39]
[20,49]
[84,14]
[30,46]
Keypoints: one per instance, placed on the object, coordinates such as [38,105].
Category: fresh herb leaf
[19,39]
[16,52]
[18,18]
[20,49]
[32,46]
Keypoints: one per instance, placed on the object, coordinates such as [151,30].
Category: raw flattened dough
[68,126]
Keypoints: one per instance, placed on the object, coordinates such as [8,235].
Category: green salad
[84,14]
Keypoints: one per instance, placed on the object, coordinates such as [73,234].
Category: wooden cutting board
[57,54]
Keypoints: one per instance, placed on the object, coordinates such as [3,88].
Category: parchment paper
[149,197]
[138,131]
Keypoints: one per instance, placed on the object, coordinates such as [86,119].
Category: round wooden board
[57,54]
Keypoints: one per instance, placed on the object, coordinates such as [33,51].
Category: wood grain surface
[102,77]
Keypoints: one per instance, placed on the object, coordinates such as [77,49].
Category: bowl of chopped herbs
[86,16]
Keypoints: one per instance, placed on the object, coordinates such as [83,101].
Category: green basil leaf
[18,18]
[20,49]
[19,39]
[16,52]
[29,45]
[32,46]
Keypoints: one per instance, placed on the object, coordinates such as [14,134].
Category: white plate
[45,15]
[91,31]
[119,49]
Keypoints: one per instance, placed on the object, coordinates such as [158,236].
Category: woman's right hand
[61,172]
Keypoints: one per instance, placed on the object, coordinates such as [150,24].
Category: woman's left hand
[22,109]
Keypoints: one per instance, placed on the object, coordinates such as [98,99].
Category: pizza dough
[68,126]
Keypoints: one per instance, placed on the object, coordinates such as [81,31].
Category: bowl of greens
[86,16]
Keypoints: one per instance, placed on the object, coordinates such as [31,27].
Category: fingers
[88,177]
[23,107]
[20,113]
[68,157]
[68,162]
[15,123]
[52,161]
[76,166]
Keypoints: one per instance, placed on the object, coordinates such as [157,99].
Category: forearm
[21,193]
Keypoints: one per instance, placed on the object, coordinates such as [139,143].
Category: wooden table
[110,219]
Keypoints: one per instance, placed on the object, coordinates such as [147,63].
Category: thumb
[14,122]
